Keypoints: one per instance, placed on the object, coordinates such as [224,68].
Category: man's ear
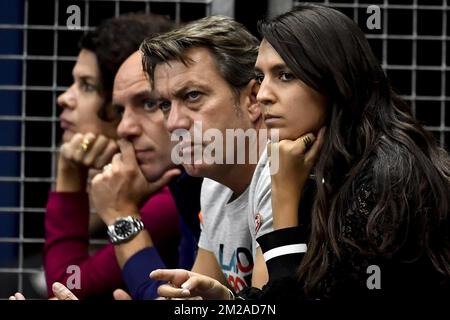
[253,108]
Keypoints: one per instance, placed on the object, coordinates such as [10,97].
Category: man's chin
[195,170]
[151,173]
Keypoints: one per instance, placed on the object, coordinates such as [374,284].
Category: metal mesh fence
[36,63]
[412,47]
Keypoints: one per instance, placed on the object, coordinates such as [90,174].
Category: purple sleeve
[136,273]
[137,269]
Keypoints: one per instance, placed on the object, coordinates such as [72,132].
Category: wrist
[110,215]
[285,214]
[71,178]
[125,229]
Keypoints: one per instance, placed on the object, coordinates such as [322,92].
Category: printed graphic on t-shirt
[257,222]
[237,271]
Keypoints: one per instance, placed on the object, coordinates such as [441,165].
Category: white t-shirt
[225,232]
[260,219]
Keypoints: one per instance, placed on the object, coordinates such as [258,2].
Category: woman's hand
[293,161]
[59,290]
[77,156]
[183,284]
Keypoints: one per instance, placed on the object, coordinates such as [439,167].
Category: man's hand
[183,284]
[121,189]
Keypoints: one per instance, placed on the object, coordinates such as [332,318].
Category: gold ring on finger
[84,145]
[307,141]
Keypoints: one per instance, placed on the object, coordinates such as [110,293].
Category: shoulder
[213,190]
[260,186]
[213,198]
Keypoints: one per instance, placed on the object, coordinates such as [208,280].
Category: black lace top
[360,273]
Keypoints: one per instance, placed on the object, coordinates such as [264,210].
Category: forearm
[126,250]
[285,206]
[136,272]
[66,247]
[89,276]
[70,177]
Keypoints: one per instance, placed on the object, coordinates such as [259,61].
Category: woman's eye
[285,76]
[88,87]
[193,96]
[259,78]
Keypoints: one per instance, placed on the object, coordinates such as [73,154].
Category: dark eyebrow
[142,94]
[274,68]
[88,78]
[84,77]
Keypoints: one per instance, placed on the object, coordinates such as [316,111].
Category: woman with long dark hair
[379,220]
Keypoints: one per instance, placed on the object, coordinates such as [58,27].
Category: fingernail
[57,286]
[185,292]
[153,273]
[12,298]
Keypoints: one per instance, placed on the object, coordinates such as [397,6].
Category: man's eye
[119,110]
[193,96]
[286,76]
[259,78]
[164,106]
[149,105]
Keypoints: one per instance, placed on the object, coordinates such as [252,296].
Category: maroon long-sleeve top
[67,242]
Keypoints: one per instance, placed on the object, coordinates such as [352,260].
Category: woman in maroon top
[89,144]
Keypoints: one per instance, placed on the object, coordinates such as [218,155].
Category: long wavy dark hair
[367,124]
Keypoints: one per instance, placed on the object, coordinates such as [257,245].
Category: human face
[142,122]
[288,104]
[82,100]
[197,93]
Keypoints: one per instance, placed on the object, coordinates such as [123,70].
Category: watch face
[123,228]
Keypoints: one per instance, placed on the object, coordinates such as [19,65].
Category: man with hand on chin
[141,168]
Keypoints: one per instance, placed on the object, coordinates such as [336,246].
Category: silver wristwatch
[124,229]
